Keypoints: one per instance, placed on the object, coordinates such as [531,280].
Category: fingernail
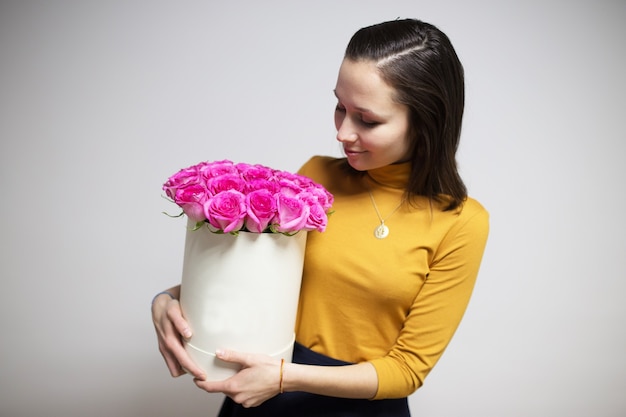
[187,333]
[219,352]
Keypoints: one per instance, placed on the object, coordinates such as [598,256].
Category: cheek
[406,148]
[395,144]
[403,138]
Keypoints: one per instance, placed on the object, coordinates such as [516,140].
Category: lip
[350,152]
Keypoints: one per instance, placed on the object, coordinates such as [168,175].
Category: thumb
[232,356]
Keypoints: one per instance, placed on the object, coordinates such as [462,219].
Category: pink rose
[318,218]
[289,176]
[226,211]
[217,168]
[292,214]
[322,195]
[289,187]
[182,178]
[262,184]
[261,210]
[191,199]
[225,182]
[255,172]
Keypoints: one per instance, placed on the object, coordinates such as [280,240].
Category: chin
[356,164]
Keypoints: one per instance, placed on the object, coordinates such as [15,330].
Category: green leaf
[172,216]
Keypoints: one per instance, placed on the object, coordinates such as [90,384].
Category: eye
[369,123]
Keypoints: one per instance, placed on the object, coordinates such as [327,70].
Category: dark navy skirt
[302,404]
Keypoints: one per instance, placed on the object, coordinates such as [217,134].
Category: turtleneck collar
[394,176]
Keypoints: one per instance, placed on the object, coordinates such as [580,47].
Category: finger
[181,362]
[211,386]
[175,315]
[233,357]
[173,351]
[172,363]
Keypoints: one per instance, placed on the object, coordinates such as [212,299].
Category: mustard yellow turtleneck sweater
[395,302]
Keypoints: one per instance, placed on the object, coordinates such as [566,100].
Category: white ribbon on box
[240,293]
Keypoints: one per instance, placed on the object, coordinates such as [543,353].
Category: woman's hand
[257,381]
[171,327]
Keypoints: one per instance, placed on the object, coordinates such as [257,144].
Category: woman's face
[372,128]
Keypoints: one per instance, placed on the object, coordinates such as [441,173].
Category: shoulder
[472,207]
[470,219]
[323,169]
[464,230]
[319,162]
[472,214]
[468,209]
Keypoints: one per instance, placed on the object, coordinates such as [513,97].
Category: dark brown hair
[420,63]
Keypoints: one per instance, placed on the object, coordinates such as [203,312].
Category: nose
[345,130]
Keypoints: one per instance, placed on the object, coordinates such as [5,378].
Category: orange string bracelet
[282,368]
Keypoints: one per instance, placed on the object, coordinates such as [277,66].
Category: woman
[386,285]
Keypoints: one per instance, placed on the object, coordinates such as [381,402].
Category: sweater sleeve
[438,307]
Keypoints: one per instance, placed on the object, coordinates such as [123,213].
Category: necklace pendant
[381,231]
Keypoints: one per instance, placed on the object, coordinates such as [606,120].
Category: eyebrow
[361,109]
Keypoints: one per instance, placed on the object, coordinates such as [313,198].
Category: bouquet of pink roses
[273,205]
[230,197]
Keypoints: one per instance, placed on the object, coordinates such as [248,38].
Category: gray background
[101,101]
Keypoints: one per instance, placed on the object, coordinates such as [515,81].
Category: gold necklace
[382,231]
